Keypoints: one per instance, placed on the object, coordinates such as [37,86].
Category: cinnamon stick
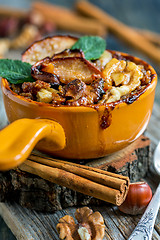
[68,20]
[103,185]
[120,29]
[106,178]
[11,12]
[151,36]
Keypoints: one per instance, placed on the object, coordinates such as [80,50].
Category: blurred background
[133,28]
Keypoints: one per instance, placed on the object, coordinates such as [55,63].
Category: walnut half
[90,226]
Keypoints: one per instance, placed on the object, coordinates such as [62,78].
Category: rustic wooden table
[26,224]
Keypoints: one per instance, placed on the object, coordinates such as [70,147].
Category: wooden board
[28,224]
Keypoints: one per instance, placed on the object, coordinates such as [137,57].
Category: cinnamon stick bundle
[68,20]
[125,32]
[107,186]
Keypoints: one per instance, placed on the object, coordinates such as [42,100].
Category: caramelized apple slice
[65,70]
[43,70]
[69,53]
[47,48]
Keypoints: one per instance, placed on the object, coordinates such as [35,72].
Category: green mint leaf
[92,46]
[15,71]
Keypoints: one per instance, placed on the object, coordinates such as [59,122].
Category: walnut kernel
[90,226]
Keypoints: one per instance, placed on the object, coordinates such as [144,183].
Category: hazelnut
[138,197]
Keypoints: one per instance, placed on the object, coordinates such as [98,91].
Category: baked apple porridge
[68,78]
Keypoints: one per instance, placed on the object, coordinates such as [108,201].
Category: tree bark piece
[97,175]
[103,185]
[39,194]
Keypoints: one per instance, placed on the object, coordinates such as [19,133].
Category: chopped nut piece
[44,96]
[147,77]
[113,66]
[127,74]
[117,93]
[57,97]
[27,95]
[16,88]
[34,87]
[127,77]
[131,66]
[118,78]
[67,228]
[84,234]
[90,226]
[92,221]
[105,58]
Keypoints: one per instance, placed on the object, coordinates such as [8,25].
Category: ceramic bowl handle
[19,138]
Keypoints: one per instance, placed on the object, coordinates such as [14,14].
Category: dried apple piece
[69,53]
[38,73]
[65,70]
[47,48]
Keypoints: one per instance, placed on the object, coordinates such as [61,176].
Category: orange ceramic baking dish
[71,132]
